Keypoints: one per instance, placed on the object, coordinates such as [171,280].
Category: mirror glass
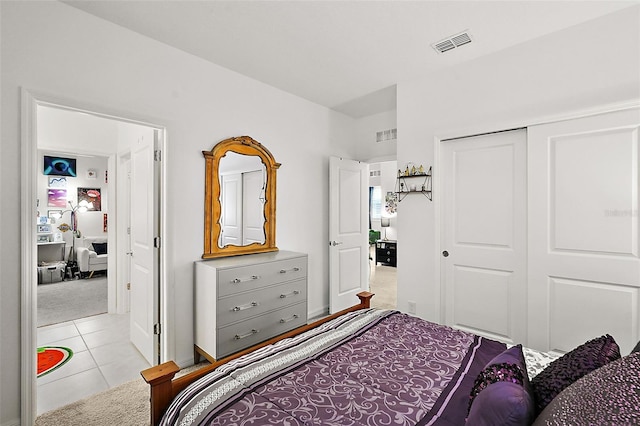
[242,196]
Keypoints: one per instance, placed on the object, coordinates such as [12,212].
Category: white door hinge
[156,242]
[157,155]
[156,328]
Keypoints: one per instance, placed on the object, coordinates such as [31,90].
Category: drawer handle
[251,333]
[243,307]
[293,293]
[238,280]
[294,317]
[284,271]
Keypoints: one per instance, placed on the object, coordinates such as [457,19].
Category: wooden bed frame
[164,388]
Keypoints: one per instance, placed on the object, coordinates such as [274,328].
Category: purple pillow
[607,396]
[501,394]
[565,370]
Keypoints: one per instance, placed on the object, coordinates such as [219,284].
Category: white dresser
[244,300]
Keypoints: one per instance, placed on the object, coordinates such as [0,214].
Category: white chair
[91,255]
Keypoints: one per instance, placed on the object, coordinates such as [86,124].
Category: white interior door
[484,234]
[231,217]
[144,259]
[348,232]
[124,232]
[584,269]
[253,207]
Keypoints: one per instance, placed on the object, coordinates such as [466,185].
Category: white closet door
[231,217]
[484,234]
[253,207]
[584,271]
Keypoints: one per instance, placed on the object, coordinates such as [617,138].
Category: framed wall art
[57,182]
[56,197]
[59,166]
[91,196]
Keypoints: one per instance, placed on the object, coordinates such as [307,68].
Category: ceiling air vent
[387,135]
[452,42]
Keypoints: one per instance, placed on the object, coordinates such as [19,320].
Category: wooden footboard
[161,377]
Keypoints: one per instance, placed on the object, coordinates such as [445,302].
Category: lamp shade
[385,222]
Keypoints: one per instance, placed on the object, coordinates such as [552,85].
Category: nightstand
[386,252]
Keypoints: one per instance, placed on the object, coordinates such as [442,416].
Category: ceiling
[345,55]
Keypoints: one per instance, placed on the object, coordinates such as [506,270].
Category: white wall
[51,48]
[366,128]
[64,130]
[582,67]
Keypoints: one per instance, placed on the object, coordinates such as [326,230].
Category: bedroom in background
[85,314]
[383,240]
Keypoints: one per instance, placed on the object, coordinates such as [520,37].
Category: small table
[386,252]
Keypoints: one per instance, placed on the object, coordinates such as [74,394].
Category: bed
[368,366]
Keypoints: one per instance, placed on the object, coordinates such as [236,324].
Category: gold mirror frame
[212,208]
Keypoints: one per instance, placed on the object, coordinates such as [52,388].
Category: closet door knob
[445,253]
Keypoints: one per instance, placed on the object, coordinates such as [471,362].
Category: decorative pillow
[501,394]
[100,248]
[636,349]
[571,366]
[605,397]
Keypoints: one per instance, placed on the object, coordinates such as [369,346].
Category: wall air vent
[387,135]
[452,42]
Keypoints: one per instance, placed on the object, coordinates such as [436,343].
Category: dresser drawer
[251,277]
[238,336]
[241,306]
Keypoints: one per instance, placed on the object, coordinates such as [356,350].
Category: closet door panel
[592,199]
[484,234]
[584,270]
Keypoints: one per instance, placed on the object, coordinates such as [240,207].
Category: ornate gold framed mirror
[240,199]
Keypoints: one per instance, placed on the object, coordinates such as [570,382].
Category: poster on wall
[57,197]
[91,196]
[59,166]
[57,182]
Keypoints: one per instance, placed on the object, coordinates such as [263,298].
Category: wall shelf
[416,183]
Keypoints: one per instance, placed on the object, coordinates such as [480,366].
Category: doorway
[383,242]
[101,357]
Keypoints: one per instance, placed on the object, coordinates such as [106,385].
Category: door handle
[445,253]
[334,243]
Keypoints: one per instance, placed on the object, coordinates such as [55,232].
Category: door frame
[30,100]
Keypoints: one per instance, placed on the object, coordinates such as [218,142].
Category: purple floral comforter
[369,367]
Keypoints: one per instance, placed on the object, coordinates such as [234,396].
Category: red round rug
[51,358]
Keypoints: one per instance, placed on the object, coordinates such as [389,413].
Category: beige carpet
[127,404]
[124,405]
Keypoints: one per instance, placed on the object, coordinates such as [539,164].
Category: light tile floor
[103,357]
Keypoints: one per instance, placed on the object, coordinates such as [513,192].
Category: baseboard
[318,314]
[184,363]
[14,422]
